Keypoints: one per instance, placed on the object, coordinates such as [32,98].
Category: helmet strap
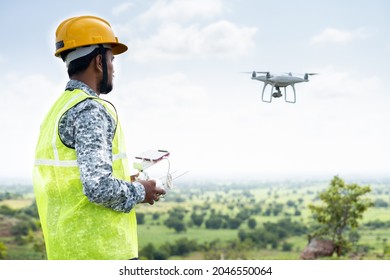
[104,82]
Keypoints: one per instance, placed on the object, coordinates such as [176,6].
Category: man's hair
[80,64]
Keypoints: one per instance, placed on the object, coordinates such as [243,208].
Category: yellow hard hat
[82,31]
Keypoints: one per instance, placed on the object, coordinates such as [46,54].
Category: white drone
[277,82]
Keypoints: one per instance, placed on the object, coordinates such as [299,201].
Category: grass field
[226,199]
[307,194]
[17,203]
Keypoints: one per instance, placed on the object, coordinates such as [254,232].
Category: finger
[160,191]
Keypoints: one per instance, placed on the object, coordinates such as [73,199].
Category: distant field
[158,235]
[226,200]
[220,199]
[382,214]
[17,203]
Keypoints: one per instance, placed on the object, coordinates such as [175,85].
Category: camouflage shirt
[89,129]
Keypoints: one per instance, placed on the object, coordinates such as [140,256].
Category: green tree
[140,218]
[233,223]
[380,203]
[155,216]
[176,223]
[22,227]
[287,247]
[180,247]
[197,219]
[215,222]
[252,223]
[38,243]
[3,251]
[175,219]
[149,252]
[342,206]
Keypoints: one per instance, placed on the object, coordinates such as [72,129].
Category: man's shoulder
[87,113]
[90,103]
[87,108]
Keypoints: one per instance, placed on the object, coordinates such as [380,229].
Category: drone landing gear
[278,94]
[275,94]
[285,95]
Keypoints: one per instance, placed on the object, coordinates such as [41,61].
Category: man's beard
[105,87]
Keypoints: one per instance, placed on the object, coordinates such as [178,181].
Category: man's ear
[98,63]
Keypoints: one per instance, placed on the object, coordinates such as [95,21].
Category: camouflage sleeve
[91,129]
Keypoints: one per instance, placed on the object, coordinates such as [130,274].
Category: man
[81,175]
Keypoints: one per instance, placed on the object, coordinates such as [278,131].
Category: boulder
[318,248]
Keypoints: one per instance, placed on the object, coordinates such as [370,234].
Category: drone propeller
[300,74]
[306,77]
[268,75]
[258,72]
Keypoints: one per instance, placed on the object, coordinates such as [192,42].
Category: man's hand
[152,192]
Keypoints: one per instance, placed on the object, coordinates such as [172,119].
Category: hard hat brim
[118,48]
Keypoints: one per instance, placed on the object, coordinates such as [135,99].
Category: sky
[180,85]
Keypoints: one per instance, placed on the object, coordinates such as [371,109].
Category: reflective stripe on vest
[65,163]
[73,227]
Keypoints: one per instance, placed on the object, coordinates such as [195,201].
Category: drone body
[277,82]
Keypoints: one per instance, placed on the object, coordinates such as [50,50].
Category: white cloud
[333,83]
[172,30]
[25,99]
[173,41]
[177,10]
[121,8]
[338,36]
[162,94]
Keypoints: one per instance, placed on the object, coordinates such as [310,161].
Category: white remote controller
[159,183]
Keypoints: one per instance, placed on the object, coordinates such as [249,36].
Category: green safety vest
[73,227]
